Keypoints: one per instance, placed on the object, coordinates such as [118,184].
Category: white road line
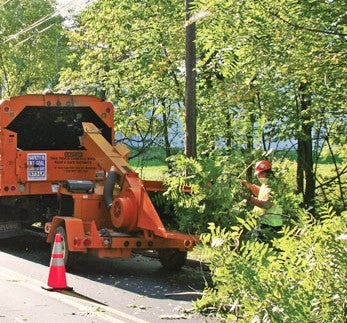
[98,310]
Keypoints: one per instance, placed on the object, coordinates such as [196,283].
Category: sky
[74,6]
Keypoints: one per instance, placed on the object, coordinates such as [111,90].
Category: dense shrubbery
[300,279]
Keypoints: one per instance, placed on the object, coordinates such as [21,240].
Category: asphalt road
[104,290]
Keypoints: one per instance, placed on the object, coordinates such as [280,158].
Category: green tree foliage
[213,193]
[301,278]
[133,53]
[277,66]
[32,46]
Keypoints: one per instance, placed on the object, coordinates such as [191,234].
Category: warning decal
[37,167]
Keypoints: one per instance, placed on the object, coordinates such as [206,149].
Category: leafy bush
[300,278]
[215,191]
[213,195]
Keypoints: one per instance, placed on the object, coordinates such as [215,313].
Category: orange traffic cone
[57,273]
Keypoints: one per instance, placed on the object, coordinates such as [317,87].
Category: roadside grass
[151,172]
[152,165]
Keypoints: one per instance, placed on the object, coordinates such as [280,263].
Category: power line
[4,3]
[43,20]
[39,32]
[40,21]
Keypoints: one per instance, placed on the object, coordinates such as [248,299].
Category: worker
[264,200]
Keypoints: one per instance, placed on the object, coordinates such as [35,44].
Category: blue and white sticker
[37,167]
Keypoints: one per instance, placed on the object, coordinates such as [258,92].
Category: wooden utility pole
[190,88]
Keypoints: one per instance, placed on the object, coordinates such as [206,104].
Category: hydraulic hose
[109,186]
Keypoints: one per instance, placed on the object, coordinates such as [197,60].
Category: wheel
[70,258]
[172,259]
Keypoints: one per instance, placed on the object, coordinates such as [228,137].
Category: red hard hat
[262,166]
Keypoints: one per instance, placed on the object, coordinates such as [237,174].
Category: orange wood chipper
[59,168]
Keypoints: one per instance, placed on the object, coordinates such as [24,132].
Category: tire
[172,259]
[70,258]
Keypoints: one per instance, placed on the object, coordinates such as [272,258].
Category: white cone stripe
[57,262]
[57,248]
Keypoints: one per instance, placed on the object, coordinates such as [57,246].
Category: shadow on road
[139,274]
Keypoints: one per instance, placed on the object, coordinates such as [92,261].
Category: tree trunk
[250,144]
[305,152]
[299,168]
[190,89]
[166,136]
[310,184]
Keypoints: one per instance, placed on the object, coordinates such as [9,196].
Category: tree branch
[314,30]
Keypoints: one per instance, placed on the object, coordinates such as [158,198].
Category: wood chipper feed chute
[132,208]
